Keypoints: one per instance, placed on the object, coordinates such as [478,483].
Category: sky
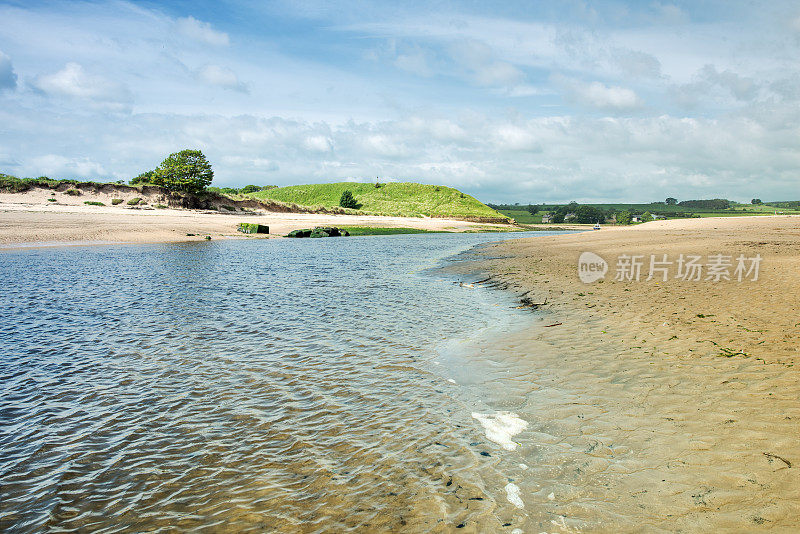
[524,102]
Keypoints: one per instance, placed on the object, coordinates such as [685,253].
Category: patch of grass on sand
[115,201]
[72,192]
[134,201]
[160,206]
[398,199]
[93,203]
[369,230]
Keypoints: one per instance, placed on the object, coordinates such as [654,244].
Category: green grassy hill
[400,199]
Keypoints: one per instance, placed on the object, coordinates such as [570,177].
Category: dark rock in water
[252,228]
[320,231]
[299,233]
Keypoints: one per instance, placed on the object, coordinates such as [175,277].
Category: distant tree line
[579,213]
[711,204]
[787,205]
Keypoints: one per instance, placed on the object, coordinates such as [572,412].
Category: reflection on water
[256,385]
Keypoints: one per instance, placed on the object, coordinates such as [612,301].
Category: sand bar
[25,224]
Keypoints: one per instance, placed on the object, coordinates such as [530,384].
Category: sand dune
[29,220]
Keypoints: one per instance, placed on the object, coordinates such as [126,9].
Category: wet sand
[652,405]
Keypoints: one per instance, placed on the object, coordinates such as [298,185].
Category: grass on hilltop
[399,199]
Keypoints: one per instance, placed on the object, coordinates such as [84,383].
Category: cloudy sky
[514,102]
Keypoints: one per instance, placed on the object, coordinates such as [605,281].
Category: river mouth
[275,385]
[366,384]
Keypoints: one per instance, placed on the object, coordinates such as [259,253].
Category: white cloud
[742,88]
[55,165]
[416,61]
[324,112]
[511,137]
[600,96]
[263,164]
[73,81]
[221,77]
[479,60]
[710,84]
[634,63]
[620,158]
[383,145]
[201,31]
[318,143]
[669,14]
[8,78]
[796,24]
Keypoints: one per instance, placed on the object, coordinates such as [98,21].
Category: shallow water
[284,385]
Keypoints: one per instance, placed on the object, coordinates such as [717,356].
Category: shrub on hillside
[134,201]
[250,189]
[72,192]
[115,201]
[347,200]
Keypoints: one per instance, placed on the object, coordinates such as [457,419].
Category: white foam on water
[552,496]
[513,495]
[451,380]
[500,427]
[523,467]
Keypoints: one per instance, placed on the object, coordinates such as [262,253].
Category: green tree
[144,178]
[188,171]
[533,209]
[756,201]
[671,201]
[250,189]
[347,200]
[624,217]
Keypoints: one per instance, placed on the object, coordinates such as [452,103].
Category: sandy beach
[675,402]
[30,220]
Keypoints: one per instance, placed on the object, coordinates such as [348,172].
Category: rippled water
[244,385]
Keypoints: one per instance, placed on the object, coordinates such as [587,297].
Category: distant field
[737,210]
[522,216]
[399,199]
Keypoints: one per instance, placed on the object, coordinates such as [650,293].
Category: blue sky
[511,102]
